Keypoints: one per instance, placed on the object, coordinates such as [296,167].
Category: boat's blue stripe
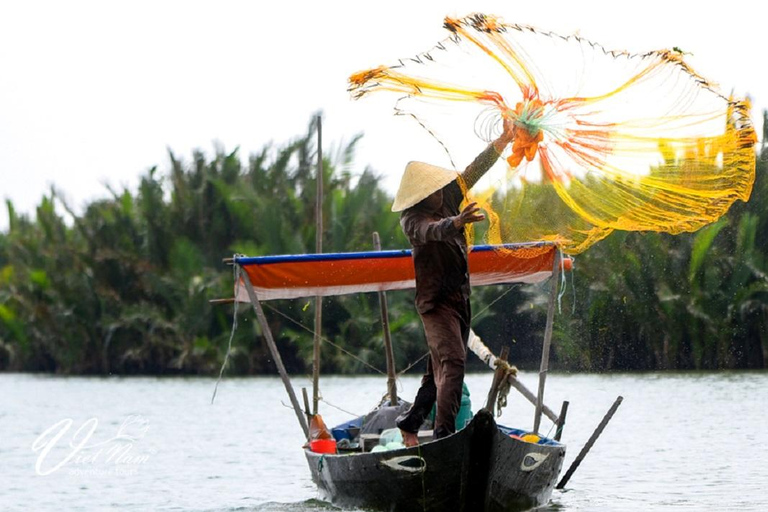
[265,260]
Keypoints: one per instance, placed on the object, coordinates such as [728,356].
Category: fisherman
[429,198]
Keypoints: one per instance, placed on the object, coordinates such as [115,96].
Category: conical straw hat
[419,181]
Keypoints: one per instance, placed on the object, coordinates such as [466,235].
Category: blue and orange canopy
[308,275]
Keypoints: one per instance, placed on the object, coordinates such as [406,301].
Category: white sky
[95,92]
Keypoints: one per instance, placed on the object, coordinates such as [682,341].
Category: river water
[694,441]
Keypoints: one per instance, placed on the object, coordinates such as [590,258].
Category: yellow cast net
[604,140]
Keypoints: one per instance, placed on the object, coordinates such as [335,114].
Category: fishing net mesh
[604,140]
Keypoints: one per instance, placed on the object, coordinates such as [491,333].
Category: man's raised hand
[468,215]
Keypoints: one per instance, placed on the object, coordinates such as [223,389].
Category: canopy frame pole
[391,377]
[544,368]
[318,249]
[256,304]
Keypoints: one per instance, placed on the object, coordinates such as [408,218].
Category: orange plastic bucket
[323,446]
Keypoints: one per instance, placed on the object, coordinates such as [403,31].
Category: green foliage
[125,286]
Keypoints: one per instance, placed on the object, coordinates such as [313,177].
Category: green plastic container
[465,409]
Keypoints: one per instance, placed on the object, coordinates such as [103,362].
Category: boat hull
[478,468]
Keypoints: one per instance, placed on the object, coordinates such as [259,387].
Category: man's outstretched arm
[485,160]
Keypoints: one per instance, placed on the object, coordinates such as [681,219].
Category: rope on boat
[549,432]
[321,399]
[326,402]
[324,339]
[476,345]
[505,385]
[497,299]
[413,364]
[342,349]
[236,275]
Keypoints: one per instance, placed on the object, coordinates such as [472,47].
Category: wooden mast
[391,382]
[544,368]
[318,249]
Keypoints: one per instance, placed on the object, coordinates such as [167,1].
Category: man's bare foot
[409,439]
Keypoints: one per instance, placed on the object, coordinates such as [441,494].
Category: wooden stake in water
[318,249]
[560,423]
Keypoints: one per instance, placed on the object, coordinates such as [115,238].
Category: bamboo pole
[544,368]
[590,443]
[391,379]
[318,249]
[273,350]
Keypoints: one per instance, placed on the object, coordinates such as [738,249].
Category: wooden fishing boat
[483,467]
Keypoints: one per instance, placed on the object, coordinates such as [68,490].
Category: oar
[588,446]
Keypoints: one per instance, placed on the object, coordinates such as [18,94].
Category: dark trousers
[447,329]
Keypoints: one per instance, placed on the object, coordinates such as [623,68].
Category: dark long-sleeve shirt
[439,248]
